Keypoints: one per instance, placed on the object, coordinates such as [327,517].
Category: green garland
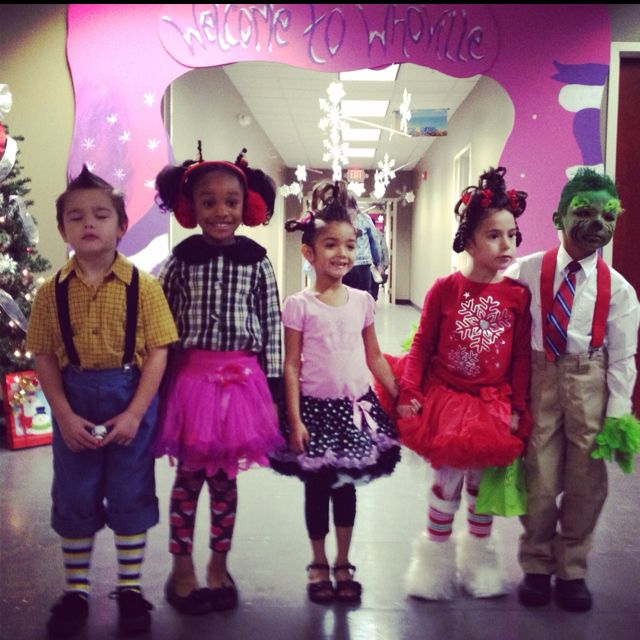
[619,440]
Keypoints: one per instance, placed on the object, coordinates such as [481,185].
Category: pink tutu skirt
[216,412]
[461,430]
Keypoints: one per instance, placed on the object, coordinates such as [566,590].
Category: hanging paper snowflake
[405,112]
[336,148]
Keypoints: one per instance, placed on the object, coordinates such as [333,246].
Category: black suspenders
[62,302]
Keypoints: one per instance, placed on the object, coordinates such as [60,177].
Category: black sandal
[347,590]
[320,591]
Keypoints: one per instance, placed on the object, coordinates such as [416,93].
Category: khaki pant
[566,487]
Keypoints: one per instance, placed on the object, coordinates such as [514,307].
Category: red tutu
[217,412]
[461,430]
[397,364]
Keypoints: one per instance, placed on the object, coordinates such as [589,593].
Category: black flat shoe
[197,603]
[535,590]
[572,595]
[223,598]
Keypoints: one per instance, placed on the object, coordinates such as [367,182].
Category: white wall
[484,121]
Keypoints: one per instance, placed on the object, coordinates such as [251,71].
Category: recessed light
[354,134]
[360,152]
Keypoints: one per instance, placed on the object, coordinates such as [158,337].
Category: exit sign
[355,175]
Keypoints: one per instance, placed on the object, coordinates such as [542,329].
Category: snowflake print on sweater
[483,322]
[463,362]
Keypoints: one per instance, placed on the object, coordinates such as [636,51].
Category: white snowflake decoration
[125,136]
[356,187]
[483,322]
[301,173]
[464,362]
[88,143]
[153,144]
[335,147]
[112,119]
[383,176]
[149,99]
[405,112]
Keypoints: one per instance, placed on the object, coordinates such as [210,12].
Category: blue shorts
[114,485]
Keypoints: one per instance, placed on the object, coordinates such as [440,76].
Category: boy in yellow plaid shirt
[99,330]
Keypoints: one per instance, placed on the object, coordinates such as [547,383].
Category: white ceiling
[283,100]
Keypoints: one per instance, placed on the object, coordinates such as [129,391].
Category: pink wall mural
[552,60]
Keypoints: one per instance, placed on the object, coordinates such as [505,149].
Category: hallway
[271,551]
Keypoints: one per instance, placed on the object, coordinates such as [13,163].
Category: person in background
[360,276]
[379,270]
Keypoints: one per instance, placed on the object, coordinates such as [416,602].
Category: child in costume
[463,399]
[338,434]
[583,374]
[218,411]
[99,330]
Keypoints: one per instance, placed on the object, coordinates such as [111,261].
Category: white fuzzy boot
[432,571]
[480,569]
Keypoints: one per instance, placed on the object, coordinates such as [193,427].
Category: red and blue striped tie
[555,339]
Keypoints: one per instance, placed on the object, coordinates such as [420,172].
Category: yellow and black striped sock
[130,550]
[76,553]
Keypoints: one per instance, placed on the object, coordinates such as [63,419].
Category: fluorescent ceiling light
[352,134]
[360,152]
[365,108]
[377,75]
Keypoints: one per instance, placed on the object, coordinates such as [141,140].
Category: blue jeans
[112,485]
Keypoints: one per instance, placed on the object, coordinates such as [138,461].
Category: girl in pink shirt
[464,386]
[338,434]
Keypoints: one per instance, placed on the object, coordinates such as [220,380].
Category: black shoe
[134,611]
[572,595]
[197,603]
[224,598]
[68,615]
[535,590]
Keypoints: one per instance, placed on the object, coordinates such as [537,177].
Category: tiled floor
[271,550]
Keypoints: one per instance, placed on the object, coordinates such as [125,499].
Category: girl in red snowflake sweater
[464,385]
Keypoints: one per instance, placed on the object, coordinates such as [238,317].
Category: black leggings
[317,492]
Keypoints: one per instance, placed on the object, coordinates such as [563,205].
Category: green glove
[619,441]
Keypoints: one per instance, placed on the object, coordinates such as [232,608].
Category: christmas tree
[19,258]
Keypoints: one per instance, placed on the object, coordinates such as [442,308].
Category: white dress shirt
[621,335]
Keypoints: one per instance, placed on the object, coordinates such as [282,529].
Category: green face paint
[589,222]
[613,206]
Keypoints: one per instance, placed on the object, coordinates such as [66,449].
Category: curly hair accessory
[261,193]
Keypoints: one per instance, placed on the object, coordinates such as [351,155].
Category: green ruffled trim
[406,343]
[619,441]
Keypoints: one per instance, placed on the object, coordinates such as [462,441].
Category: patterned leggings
[223,494]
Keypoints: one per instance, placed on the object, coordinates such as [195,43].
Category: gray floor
[271,550]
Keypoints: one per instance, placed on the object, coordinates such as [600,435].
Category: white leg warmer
[432,572]
[480,569]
